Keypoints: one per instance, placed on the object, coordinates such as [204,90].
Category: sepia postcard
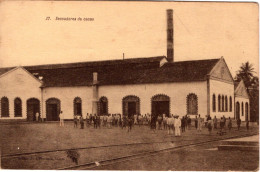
[129,85]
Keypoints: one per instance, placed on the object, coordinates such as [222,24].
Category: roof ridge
[93,62]
[195,60]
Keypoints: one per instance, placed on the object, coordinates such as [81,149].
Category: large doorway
[131,105]
[52,109]
[192,104]
[160,105]
[131,108]
[237,110]
[33,106]
[103,106]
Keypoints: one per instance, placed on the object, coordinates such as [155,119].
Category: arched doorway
[103,106]
[52,109]
[33,106]
[131,105]
[237,110]
[160,105]
[192,104]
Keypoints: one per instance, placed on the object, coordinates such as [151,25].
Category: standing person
[98,121]
[61,119]
[189,122]
[153,122]
[247,124]
[105,120]
[109,120]
[183,124]
[95,121]
[129,123]
[177,125]
[196,122]
[238,123]
[135,119]
[81,121]
[101,120]
[186,122]
[116,119]
[90,119]
[119,120]
[124,121]
[229,123]
[221,125]
[170,124]
[159,120]
[87,120]
[209,124]
[215,121]
[225,120]
[140,120]
[37,116]
[165,118]
[75,119]
[199,123]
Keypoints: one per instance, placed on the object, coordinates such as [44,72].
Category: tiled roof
[120,72]
[4,70]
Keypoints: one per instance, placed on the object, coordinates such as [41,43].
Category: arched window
[242,108]
[17,107]
[214,103]
[103,106]
[4,107]
[226,103]
[219,103]
[77,106]
[192,104]
[230,104]
[223,103]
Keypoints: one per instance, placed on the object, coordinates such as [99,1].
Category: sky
[202,30]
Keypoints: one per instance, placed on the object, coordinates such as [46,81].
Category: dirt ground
[34,137]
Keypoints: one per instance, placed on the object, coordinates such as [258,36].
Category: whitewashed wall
[176,91]
[19,83]
[244,100]
[66,96]
[222,88]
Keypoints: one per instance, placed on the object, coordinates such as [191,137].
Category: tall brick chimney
[170,51]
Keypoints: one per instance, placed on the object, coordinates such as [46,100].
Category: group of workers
[171,123]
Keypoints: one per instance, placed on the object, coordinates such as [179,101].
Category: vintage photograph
[128,85]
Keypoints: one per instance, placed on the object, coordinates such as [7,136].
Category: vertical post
[95,94]
[170,32]
[42,115]
[208,95]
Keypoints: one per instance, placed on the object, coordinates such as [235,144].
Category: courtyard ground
[40,137]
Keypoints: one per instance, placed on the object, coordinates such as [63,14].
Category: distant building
[154,85]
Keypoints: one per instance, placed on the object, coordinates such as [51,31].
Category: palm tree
[246,73]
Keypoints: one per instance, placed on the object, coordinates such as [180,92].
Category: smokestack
[170,52]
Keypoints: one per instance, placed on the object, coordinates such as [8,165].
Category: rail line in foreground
[95,164]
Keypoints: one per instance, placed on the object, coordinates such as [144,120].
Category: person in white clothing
[177,125]
[170,124]
[61,119]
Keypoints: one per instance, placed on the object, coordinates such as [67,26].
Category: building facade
[141,85]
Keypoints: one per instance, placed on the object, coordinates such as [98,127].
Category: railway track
[85,148]
[92,165]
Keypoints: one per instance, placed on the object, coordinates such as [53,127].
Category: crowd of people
[172,123]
